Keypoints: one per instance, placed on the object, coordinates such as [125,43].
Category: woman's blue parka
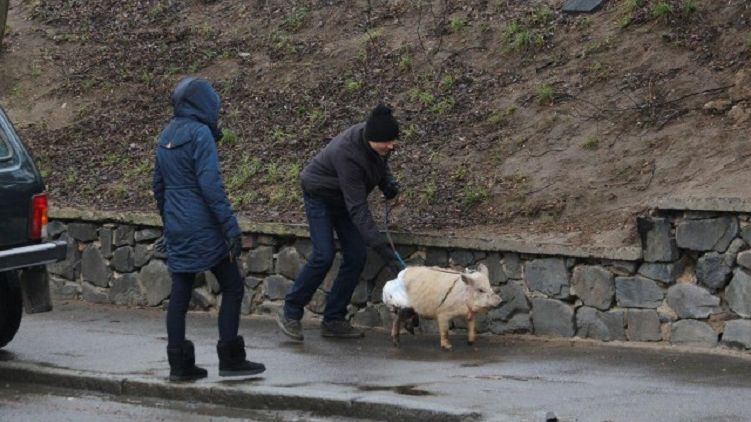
[188,187]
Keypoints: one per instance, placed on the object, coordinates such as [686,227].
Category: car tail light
[38,224]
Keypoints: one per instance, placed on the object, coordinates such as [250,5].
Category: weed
[36,72]
[229,137]
[447,82]
[71,178]
[473,195]
[409,132]
[591,143]
[542,15]
[662,9]
[279,135]
[689,7]
[443,106]
[316,116]
[361,56]
[352,85]
[428,194]
[423,97]
[296,20]
[405,61]
[373,35]
[495,118]
[630,6]
[545,94]
[457,24]
[526,39]
[460,173]
[248,168]
[510,110]
[282,44]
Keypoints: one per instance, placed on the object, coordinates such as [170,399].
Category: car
[24,282]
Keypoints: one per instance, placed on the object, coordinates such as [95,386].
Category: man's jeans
[323,220]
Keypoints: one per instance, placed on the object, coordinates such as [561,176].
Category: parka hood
[195,99]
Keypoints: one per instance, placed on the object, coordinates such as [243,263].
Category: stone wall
[688,284]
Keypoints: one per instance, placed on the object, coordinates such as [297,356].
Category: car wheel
[11,306]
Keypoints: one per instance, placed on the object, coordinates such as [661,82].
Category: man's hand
[235,247]
[391,190]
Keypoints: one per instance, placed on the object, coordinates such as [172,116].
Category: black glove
[235,247]
[391,189]
[160,245]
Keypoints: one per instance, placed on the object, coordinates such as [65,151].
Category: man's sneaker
[292,328]
[340,328]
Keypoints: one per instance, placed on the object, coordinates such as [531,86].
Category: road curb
[260,398]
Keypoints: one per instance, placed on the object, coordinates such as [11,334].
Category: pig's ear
[483,270]
[468,280]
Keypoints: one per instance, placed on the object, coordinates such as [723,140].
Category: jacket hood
[196,99]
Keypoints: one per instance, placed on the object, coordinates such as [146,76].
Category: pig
[442,294]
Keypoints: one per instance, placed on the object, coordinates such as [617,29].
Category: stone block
[643,325]
[70,268]
[744,259]
[461,258]
[548,276]
[94,294]
[495,269]
[251,283]
[123,260]
[260,260]
[124,235]
[657,240]
[623,268]
[55,228]
[713,271]
[82,232]
[275,287]
[212,283]
[707,234]
[367,317]
[552,318]
[691,301]
[738,293]
[512,266]
[142,255]
[156,282]
[373,265]
[514,301]
[661,271]
[518,324]
[147,235]
[304,247]
[328,281]
[318,303]
[127,291]
[606,326]
[289,262]
[594,285]
[94,268]
[737,334]
[360,295]
[436,257]
[689,332]
[203,299]
[105,242]
[637,292]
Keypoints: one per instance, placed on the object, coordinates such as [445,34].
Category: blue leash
[388,235]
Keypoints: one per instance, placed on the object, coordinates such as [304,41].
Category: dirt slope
[518,120]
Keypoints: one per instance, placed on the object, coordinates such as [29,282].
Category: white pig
[441,294]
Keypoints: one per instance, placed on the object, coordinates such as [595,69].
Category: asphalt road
[508,378]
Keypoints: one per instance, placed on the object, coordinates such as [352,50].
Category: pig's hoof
[470,342]
[446,347]
[395,342]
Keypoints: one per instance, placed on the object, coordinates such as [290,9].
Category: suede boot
[182,363]
[232,361]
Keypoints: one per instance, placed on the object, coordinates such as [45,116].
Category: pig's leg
[443,328]
[471,330]
[395,328]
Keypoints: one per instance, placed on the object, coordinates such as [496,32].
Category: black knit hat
[381,125]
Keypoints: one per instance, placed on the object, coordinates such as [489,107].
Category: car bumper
[28,256]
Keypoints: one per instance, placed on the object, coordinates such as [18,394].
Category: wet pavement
[499,378]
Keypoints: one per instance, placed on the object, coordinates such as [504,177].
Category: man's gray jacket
[344,173]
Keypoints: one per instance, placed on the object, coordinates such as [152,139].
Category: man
[200,230]
[336,184]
